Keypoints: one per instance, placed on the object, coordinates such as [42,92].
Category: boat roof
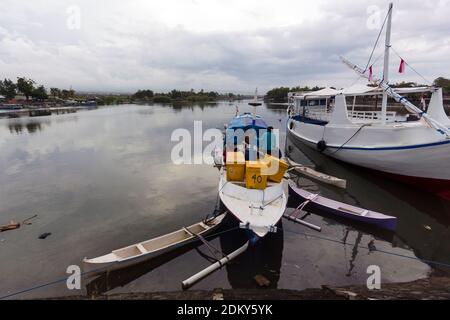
[355,90]
[246,121]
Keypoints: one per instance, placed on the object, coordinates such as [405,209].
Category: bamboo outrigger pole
[186,284]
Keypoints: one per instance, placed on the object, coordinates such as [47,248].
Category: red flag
[370,74]
[401,69]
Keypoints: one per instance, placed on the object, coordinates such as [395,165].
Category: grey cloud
[117,52]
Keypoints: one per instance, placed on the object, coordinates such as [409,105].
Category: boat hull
[425,165]
[111,261]
[343,210]
[261,209]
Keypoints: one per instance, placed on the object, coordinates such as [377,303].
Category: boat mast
[386,63]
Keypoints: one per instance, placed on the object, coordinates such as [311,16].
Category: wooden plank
[317,176]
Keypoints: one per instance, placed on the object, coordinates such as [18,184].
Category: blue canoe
[342,209]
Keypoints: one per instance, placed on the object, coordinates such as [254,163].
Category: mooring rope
[364,247]
[360,128]
[103,268]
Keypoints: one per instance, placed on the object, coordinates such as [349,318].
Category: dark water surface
[103,179]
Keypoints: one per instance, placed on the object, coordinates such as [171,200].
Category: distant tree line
[28,87]
[443,83]
[280,94]
[179,95]
[9,89]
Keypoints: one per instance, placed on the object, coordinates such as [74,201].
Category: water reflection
[31,127]
[263,258]
[354,252]
[103,179]
[423,219]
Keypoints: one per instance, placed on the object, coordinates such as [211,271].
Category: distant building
[20,97]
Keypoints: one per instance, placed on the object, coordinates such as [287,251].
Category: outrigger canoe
[148,249]
[343,210]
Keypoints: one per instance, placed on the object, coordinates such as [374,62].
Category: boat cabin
[363,104]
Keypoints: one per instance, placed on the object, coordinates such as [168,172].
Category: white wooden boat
[261,209]
[318,176]
[414,150]
[154,247]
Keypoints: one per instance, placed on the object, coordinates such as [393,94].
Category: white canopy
[356,90]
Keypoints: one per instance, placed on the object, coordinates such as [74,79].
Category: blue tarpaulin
[246,121]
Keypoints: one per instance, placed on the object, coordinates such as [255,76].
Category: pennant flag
[370,74]
[401,69]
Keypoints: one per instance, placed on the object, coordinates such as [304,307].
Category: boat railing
[372,115]
[354,115]
[319,115]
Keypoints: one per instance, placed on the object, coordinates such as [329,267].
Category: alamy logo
[374,19]
[374,280]
[74,280]
[254,144]
[73,21]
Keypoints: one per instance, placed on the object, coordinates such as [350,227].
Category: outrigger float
[130,255]
[313,201]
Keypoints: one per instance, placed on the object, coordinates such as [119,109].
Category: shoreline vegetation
[179,96]
[26,93]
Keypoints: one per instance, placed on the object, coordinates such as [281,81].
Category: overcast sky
[222,45]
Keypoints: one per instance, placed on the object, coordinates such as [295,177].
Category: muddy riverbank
[434,288]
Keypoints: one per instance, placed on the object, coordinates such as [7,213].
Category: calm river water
[103,179]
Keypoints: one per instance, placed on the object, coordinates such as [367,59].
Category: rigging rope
[438,263]
[104,268]
[378,38]
[414,70]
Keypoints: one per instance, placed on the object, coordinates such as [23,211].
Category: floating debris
[10,226]
[371,246]
[261,280]
[44,235]
[15,225]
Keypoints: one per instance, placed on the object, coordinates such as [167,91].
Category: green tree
[26,86]
[8,88]
[444,83]
[55,92]
[143,94]
[278,94]
[66,94]
[39,93]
